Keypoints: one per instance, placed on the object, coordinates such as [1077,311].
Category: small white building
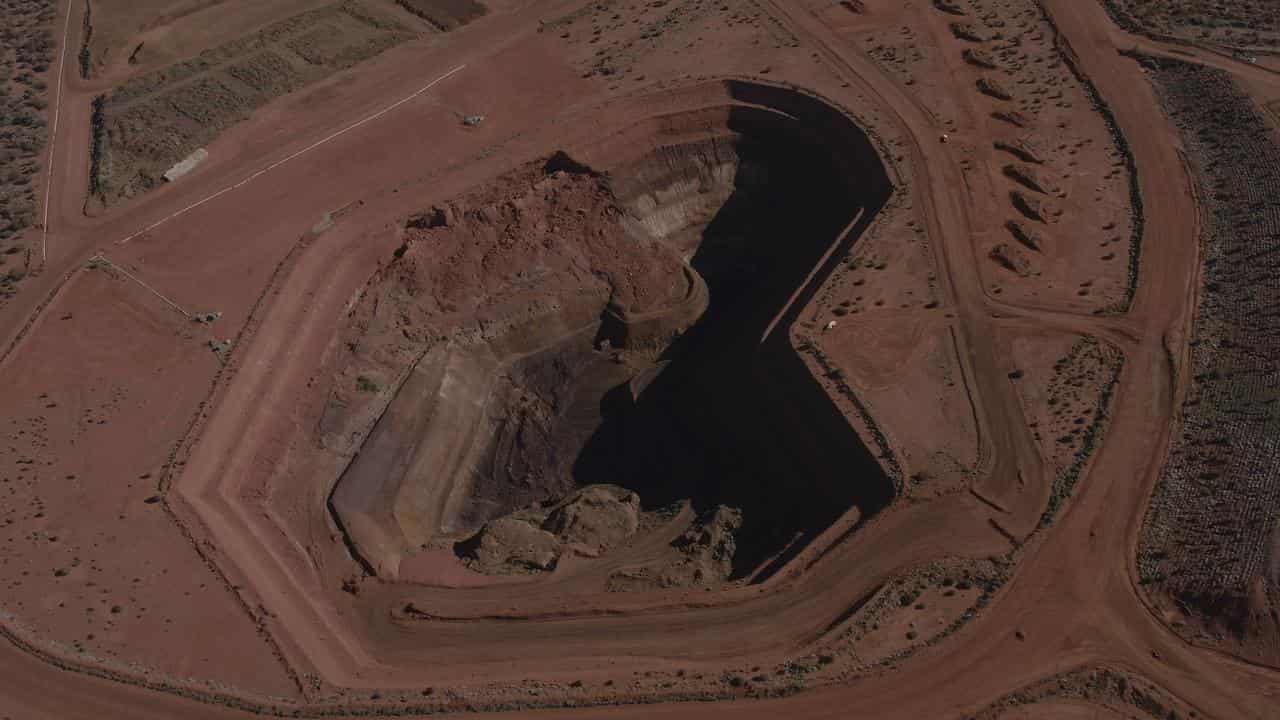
[188,164]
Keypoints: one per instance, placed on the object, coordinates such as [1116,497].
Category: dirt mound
[492,300]
[980,58]
[1030,238]
[1034,208]
[589,522]
[511,545]
[1012,258]
[1028,177]
[596,518]
[530,235]
[704,556]
[1016,118]
[1243,618]
[969,31]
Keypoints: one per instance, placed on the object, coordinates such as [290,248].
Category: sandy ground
[165,545]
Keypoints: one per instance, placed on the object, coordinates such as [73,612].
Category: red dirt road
[1071,601]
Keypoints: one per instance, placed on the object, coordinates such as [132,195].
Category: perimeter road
[297,154]
[53,137]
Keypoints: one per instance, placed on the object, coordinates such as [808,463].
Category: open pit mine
[553,358]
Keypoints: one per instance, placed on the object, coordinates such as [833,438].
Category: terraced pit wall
[761,194]
[797,437]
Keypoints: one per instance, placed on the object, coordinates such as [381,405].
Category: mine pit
[627,371]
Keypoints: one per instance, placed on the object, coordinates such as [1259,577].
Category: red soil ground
[167,549]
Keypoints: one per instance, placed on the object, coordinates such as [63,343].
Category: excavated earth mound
[591,341]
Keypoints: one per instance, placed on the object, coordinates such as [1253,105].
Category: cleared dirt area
[71,443]
[894,358]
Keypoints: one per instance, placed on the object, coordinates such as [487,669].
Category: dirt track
[1070,601]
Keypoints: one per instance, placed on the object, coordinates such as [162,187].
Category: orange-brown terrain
[670,358]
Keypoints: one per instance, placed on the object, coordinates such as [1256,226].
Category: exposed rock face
[969,31]
[704,556]
[597,518]
[710,545]
[589,294]
[1011,258]
[1013,117]
[514,544]
[590,521]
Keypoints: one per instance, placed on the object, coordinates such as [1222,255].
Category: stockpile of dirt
[1045,144]
[544,409]
[589,522]
[703,556]
[531,235]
